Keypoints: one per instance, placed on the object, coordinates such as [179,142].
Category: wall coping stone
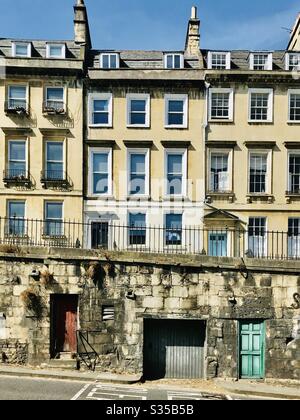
[42,254]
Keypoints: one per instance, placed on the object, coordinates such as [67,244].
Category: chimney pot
[194,12]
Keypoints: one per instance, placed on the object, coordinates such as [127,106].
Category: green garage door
[174,349]
[252,347]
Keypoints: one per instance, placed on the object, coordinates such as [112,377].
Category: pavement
[228,388]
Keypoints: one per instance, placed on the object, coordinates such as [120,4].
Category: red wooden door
[65,323]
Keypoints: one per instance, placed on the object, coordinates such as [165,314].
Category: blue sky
[155,24]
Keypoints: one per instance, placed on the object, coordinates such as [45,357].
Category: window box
[12,177]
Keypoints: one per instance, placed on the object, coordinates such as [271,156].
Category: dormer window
[109,61]
[174,61]
[21,49]
[292,61]
[261,61]
[56,51]
[219,60]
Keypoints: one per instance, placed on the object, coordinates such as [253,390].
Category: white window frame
[183,237]
[287,61]
[166,55]
[292,92]
[63,50]
[117,55]
[62,214]
[229,153]
[64,145]
[269,176]
[138,96]
[18,85]
[268,64]
[290,153]
[108,151]
[145,152]
[266,244]
[173,97]
[13,200]
[270,92]
[148,231]
[56,87]
[14,49]
[231,104]
[184,153]
[25,213]
[25,139]
[210,57]
[101,97]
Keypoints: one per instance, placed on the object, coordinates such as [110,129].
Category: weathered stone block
[172,303]
[179,291]
[153,302]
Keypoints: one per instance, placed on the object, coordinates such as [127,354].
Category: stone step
[61,364]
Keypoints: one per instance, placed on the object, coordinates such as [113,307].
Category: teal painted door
[252,346]
[217,244]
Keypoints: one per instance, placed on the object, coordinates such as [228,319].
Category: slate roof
[39,47]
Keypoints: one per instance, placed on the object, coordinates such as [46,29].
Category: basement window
[108,313]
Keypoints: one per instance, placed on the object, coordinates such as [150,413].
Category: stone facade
[218,291]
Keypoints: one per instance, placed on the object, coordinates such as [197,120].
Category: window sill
[138,126]
[138,198]
[178,198]
[293,122]
[263,197]
[220,121]
[253,122]
[210,196]
[290,196]
[176,127]
[100,197]
[100,126]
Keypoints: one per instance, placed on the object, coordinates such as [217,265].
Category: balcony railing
[55,179]
[16,177]
[212,242]
[52,107]
[16,106]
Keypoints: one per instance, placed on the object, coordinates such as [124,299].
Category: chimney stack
[81,25]
[192,45]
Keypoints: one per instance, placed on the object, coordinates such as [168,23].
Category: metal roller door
[174,349]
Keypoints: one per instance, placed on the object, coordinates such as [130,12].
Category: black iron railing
[16,176]
[213,242]
[54,107]
[55,178]
[85,350]
[16,106]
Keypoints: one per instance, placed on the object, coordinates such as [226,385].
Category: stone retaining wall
[220,291]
